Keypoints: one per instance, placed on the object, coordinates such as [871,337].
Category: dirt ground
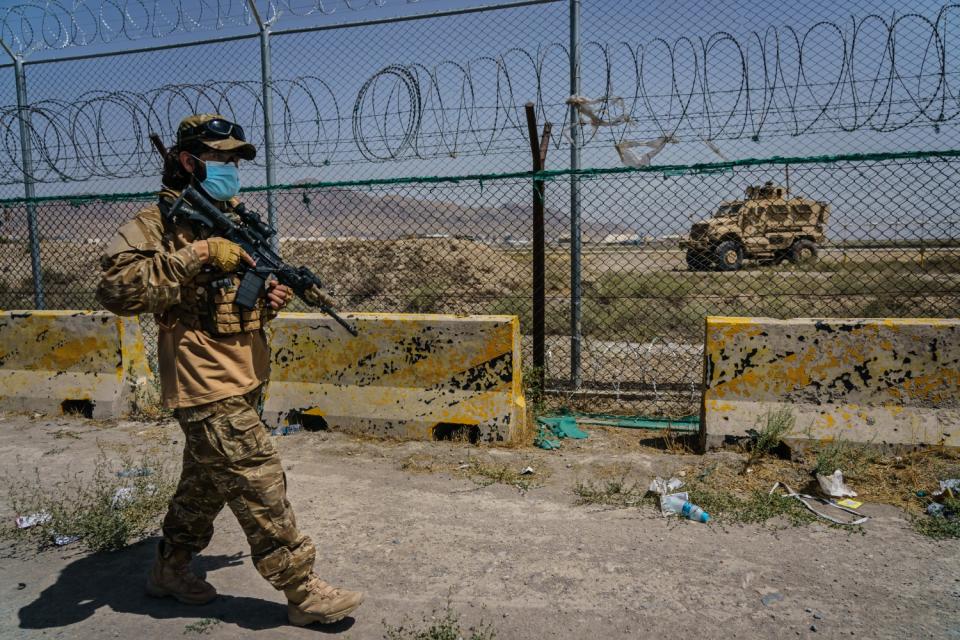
[398,521]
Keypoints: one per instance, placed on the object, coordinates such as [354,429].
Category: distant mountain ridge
[321,213]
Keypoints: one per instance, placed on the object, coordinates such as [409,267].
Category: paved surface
[532,564]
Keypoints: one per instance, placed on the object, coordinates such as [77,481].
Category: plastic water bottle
[693,512]
[678,504]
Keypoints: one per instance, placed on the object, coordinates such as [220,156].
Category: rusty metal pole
[538,152]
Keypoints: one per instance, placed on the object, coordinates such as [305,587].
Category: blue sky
[735,79]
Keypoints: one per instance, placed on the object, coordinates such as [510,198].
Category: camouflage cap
[193,131]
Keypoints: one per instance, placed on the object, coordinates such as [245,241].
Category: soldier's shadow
[115,580]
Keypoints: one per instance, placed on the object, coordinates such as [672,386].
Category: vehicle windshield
[727,210]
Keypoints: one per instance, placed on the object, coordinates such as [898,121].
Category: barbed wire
[53,24]
[470,108]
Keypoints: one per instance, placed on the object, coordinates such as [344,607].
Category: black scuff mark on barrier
[850,328]
[844,379]
[418,348]
[480,377]
[710,367]
[42,335]
[284,355]
[388,368]
[933,350]
[863,370]
[21,314]
[820,325]
[745,363]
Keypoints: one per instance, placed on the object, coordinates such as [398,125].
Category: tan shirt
[149,268]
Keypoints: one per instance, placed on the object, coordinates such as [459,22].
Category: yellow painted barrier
[407,376]
[883,381]
[90,362]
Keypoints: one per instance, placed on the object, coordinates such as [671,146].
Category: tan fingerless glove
[224,255]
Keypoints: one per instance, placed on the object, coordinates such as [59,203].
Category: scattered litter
[560,427]
[125,496]
[631,158]
[936,509]
[603,116]
[834,486]
[544,441]
[464,466]
[817,616]
[61,541]
[21,586]
[679,504]
[672,503]
[661,486]
[770,598]
[813,628]
[287,430]
[32,520]
[805,500]
[953,484]
[138,472]
[847,502]
[526,471]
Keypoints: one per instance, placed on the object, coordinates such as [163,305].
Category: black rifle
[253,236]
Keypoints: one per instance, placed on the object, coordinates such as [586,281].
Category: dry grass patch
[102,511]
[485,472]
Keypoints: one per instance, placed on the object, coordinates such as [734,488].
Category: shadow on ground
[115,580]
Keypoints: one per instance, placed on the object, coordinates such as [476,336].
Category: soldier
[214,360]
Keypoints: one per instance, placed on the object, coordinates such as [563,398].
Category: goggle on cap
[214,132]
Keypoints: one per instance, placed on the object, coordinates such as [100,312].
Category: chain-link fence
[848,111]
[891,247]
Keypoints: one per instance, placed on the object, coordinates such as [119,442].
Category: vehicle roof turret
[768,191]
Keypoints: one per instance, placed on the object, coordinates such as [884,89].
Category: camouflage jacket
[208,348]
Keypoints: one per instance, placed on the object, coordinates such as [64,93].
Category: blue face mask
[223,180]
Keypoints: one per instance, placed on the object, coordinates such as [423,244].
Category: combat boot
[171,576]
[316,601]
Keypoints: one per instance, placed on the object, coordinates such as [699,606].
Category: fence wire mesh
[891,248]
[398,93]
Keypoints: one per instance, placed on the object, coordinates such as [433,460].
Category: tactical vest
[208,301]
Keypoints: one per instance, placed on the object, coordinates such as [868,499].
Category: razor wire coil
[881,75]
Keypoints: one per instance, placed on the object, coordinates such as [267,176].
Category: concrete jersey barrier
[89,362]
[407,376]
[883,381]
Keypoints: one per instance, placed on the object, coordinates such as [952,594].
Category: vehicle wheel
[698,260]
[803,252]
[728,256]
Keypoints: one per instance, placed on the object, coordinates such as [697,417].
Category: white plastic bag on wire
[631,158]
[589,113]
[598,112]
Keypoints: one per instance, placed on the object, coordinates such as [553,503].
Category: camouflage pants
[228,458]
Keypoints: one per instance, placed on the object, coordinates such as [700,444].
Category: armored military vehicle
[767,225]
